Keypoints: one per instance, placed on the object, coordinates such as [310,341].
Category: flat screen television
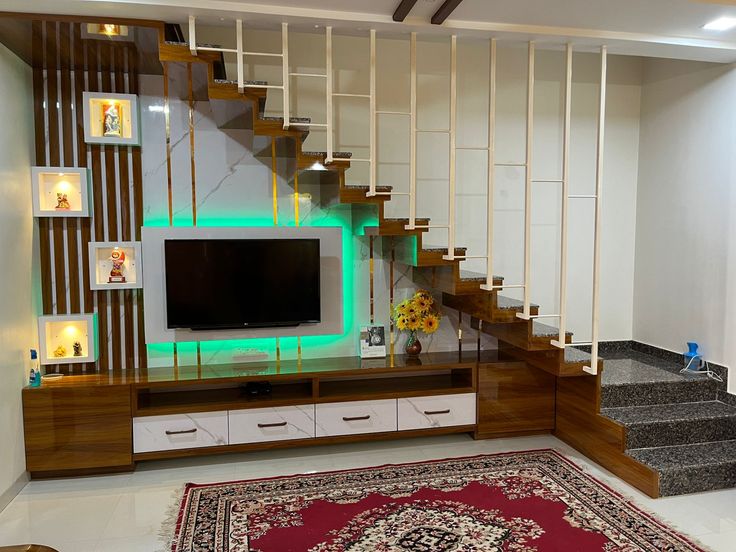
[237,283]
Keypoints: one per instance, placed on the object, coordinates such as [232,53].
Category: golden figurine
[112,121]
[62,202]
[60,352]
[116,273]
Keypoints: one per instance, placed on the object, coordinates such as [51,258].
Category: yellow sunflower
[401,323]
[413,323]
[430,324]
[422,305]
[402,309]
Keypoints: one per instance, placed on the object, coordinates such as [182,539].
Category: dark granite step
[695,468]
[675,424]
[640,380]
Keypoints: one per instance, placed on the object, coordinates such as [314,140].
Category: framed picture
[372,342]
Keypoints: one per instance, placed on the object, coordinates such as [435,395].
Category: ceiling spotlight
[721,24]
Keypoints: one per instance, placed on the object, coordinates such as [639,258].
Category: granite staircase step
[641,380]
[675,424]
[692,468]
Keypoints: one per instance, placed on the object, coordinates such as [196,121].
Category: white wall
[351,65]
[685,278]
[16,246]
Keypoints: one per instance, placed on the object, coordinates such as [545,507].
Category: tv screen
[212,284]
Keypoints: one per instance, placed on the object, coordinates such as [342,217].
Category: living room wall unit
[64,67]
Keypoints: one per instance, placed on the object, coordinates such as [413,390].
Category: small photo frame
[372,341]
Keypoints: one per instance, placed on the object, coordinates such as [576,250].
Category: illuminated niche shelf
[102,257]
[60,191]
[57,334]
[111,119]
[111,31]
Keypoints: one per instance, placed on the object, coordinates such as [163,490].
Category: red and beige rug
[521,501]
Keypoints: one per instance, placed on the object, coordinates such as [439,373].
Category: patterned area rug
[521,501]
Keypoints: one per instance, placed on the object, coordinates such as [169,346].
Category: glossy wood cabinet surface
[77,428]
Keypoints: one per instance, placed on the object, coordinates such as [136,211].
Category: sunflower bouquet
[417,314]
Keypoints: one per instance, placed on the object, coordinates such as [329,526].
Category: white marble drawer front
[179,431]
[438,411]
[271,424]
[353,418]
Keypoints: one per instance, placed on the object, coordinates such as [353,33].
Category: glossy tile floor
[124,513]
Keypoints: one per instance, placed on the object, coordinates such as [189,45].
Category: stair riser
[697,479]
[681,432]
[641,394]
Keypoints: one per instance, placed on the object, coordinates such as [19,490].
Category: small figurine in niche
[77,346]
[117,257]
[112,121]
[62,202]
[60,352]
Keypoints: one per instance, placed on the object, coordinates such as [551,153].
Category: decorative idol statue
[62,202]
[112,121]
[60,352]
[77,346]
[117,257]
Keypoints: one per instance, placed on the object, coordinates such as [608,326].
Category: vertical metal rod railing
[526,314]
[453,152]
[239,48]
[562,337]
[413,135]
[488,286]
[372,93]
[593,368]
[330,113]
[285,74]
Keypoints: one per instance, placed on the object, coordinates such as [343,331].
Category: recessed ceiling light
[721,24]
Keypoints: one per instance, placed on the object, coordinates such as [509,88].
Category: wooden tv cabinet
[97,423]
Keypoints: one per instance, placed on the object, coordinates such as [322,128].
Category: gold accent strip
[191,143]
[370,264]
[176,362]
[167,119]
[391,295]
[296,198]
[274,182]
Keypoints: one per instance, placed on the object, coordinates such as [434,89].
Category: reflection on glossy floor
[124,513]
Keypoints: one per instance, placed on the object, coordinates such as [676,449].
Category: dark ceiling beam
[403,10]
[444,12]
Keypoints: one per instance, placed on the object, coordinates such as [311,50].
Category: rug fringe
[167,530]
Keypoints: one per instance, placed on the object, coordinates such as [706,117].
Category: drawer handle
[434,412]
[356,418]
[183,431]
[279,424]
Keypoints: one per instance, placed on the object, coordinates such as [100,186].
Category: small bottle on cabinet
[34,379]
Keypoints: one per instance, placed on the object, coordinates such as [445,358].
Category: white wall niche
[49,182]
[64,330]
[96,105]
[101,264]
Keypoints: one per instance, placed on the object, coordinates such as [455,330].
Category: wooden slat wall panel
[65,65]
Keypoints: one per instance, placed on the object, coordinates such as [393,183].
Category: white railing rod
[488,286]
[528,187]
[393,113]
[372,93]
[330,114]
[268,86]
[285,73]
[214,49]
[453,152]
[413,134]
[192,35]
[317,75]
[593,368]
[344,95]
[560,342]
[263,54]
[510,164]
[239,46]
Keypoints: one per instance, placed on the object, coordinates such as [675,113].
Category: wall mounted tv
[237,283]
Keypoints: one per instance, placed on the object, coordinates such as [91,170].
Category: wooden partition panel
[64,66]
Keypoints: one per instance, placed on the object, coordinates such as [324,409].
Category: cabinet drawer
[438,411]
[353,418]
[271,424]
[179,431]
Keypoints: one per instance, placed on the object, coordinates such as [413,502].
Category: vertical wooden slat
[52,89]
[86,223]
[138,214]
[39,119]
[93,85]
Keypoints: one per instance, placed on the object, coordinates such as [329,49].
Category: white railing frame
[453,152]
[488,286]
[330,113]
[562,336]
[413,135]
[528,186]
[372,100]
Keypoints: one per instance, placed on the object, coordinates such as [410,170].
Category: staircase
[634,418]
[673,422]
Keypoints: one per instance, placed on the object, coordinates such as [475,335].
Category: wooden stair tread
[507,303]
[540,329]
[359,188]
[470,276]
[336,154]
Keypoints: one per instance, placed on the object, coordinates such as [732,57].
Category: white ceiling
[664,28]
